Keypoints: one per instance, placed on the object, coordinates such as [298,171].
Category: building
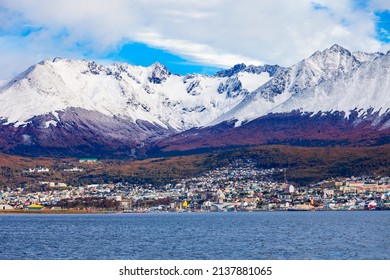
[6,207]
[88,160]
[74,169]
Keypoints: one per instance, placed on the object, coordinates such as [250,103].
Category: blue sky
[142,54]
[186,36]
[383,26]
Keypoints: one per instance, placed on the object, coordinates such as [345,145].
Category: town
[240,186]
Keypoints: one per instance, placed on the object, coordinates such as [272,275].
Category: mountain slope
[288,84]
[363,88]
[150,94]
[80,105]
[333,97]
[293,128]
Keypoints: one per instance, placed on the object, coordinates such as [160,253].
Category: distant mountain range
[69,107]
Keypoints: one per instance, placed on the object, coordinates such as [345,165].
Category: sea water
[241,235]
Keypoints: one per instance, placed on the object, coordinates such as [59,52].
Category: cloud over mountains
[214,33]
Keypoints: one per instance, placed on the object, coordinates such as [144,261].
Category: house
[42,169]
[57,185]
[126,204]
[88,160]
[6,207]
[74,169]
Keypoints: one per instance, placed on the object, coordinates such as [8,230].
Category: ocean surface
[255,235]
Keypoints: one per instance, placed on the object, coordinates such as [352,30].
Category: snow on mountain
[329,68]
[2,83]
[150,94]
[71,101]
[363,57]
[362,89]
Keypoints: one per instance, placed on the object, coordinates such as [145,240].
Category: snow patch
[49,123]
[252,81]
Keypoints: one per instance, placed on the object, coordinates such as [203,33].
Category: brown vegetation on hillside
[292,128]
[303,164]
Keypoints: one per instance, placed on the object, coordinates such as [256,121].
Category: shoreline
[62,211]
[73,211]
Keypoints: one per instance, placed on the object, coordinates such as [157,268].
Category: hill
[304,165]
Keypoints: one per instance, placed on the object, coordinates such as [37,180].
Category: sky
[186,36]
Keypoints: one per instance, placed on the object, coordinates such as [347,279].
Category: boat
[34,206]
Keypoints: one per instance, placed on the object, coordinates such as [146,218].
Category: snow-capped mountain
[334,97]
[291,87]
[85,107]
[69,102]
[150,94]
[364,87]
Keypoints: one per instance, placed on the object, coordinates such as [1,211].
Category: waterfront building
[6,207]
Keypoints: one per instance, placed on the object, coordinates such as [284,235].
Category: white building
[6,207]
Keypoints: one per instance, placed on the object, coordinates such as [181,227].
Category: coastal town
[240,186]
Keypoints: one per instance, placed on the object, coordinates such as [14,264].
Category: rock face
[69,107]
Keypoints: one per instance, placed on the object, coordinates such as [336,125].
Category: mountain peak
[335,50]
[329,53]
[231,71]
[158,65]
[159,73]
[57,58]
[337,47]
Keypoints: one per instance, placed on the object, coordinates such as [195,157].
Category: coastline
[62,211]
[75,211]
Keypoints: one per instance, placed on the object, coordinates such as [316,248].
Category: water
[256,235]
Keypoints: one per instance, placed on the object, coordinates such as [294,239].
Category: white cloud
[197,52]
[212,32]
[380,4]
